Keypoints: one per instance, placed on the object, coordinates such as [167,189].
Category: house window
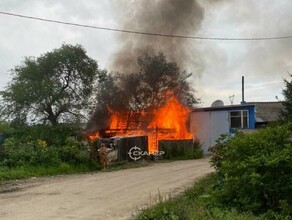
[238,119]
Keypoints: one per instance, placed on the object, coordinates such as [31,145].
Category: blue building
[207,124]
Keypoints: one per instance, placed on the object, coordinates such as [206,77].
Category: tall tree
[155,81]
[146,89]
[287,92]
[55,87]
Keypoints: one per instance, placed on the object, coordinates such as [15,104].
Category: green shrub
[195,203]
[42,150]
[32,171]
[42,145]
[53,135]
[33,153]
[219,150]
[74,152]
[254,170]
[182,150]
[197,150]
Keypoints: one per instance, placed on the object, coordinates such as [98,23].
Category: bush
[195,203]
[42,145]
[42,150]
[219,151]
[52,135]
[181,150]
[74,152]
[197,150]
[254,170]
[33,153]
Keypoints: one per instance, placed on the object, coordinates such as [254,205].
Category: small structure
[207,124]
[125,144]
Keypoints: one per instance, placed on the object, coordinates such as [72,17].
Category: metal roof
[220,108]
[264,111]
[268,111]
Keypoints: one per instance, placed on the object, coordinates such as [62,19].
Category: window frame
[242,116]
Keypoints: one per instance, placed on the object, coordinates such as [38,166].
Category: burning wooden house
[168,122]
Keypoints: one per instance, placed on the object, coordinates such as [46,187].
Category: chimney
[242,92]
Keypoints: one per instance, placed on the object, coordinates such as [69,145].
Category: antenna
[277,98]
[231,98]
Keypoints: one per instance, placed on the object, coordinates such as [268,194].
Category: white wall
[208,126]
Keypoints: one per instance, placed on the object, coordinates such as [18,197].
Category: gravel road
[102,195]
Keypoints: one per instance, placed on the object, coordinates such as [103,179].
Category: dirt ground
[103,195]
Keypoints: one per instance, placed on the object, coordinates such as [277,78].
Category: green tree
[287,92]
[55,87]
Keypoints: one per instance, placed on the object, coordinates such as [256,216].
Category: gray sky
[217,67]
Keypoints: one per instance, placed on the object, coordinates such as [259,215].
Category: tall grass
[196,203]
[36,171]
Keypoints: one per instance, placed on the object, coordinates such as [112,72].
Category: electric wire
[146,33]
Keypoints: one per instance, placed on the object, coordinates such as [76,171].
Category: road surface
[101,195]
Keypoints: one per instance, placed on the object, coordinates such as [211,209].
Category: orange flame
[93,137]
[168,122]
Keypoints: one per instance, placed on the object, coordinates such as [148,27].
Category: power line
[147,33]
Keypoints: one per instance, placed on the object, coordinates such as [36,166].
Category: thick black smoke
[175,17]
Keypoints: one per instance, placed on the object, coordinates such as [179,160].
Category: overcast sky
[220,64]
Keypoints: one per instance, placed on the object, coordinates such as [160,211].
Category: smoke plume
[174,17]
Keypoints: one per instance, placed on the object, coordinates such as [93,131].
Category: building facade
[207,124]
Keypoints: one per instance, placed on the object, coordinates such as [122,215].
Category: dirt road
[103,195]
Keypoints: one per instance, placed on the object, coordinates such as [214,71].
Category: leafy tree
[149,87]
[287,92]
[55,87]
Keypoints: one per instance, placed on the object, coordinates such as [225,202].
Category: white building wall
[208,126]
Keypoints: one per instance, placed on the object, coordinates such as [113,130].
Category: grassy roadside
[25,172]
[195,203]
[252,181]
[127,165]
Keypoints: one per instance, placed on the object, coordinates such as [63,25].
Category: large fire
[168,122]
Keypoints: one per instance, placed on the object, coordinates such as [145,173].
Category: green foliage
[48,150]
[196,203]
[74,152]
[4,127]
[33,153]
[287,92]
[254,170]
[197,150]
[53,135]
[181,150]
[33,171]
[46,146]
[219,150]
[55,87]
